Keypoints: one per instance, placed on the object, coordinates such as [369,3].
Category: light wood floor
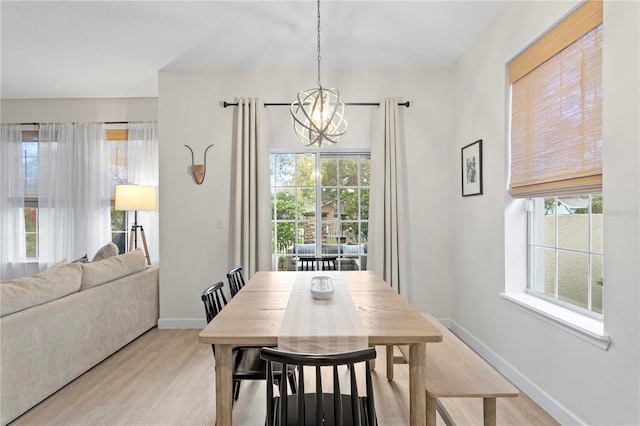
[166,377]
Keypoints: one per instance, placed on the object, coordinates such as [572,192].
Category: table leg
[389,362]
[489,409]
[224,397]
[417,384]
[432,406]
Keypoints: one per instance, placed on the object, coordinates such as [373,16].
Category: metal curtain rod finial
[407,104]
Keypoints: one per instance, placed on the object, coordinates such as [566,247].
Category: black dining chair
[319,407]
[247,364]
[236,280]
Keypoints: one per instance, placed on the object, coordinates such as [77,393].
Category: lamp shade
[135,197]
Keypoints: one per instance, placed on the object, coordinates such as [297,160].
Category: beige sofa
[46,346]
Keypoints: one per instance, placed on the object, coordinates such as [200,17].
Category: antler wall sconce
[199,170]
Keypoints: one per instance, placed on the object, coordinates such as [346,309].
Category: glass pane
[348,171]
[597,283]
[572,278]
[30,154]
[272,169]
[283,263]
[330,232]
[30,219]
[32,245]
[365,171]
[118,220]
[306,169]
[351,232]
[543,221]
[596,224]
[284,169]
[363,263]
[306,204]
[364,236]
[117,164]
[329,171]
[307,234]
[285,204]
[573,222]
[119,239]
[350,250]
[364,204]
[330,203]
[285,237]
[349,204]
[543,273]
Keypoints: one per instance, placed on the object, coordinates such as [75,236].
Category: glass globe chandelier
[319,115]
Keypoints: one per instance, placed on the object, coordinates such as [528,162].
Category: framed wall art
[472,169]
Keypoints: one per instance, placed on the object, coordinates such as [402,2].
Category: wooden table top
[254,315]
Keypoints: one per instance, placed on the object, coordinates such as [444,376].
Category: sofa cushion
[307,249]
[106,251]
[112,268]
[54,283]
[330,249]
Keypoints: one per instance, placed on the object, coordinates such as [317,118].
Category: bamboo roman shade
[556,109]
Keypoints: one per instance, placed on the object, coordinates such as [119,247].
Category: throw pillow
[83,259]
[103,271]
[106,252]
[54,283]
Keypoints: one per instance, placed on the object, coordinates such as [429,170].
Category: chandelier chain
[319,115]
[319,84]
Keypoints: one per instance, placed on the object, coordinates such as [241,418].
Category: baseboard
[542,398]
[181,323]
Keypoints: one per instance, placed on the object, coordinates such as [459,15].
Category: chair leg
[236,389]
[292,383]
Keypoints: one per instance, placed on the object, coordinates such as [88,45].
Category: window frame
[557,248]
[321,154]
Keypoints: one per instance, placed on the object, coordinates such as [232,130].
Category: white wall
[193,250]
[78,110]
[574,380]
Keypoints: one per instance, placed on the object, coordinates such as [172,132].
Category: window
[117,140]
[29,153]
[565,251]
[325,192]
[117,146]
[556,159]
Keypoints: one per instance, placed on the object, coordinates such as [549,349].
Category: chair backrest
[362,410]
[214,300]
[236,280]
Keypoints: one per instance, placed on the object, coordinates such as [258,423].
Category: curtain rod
[405,104]
[105,122]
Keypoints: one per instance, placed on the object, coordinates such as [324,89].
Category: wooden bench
[456,371]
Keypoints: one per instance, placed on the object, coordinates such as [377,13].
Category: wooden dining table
[254,316]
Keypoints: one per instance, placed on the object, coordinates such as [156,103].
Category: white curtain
[388,254]
[250,224]
[73,191]
[142,166]
[12,241]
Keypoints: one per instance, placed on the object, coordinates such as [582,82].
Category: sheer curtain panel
[143,160]
[73,191]
[387,241]
[250,188]
[12,237]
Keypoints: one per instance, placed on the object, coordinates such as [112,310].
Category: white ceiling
[73,49]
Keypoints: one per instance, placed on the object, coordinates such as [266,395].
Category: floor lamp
[136,197]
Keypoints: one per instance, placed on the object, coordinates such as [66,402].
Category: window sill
[582,326]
